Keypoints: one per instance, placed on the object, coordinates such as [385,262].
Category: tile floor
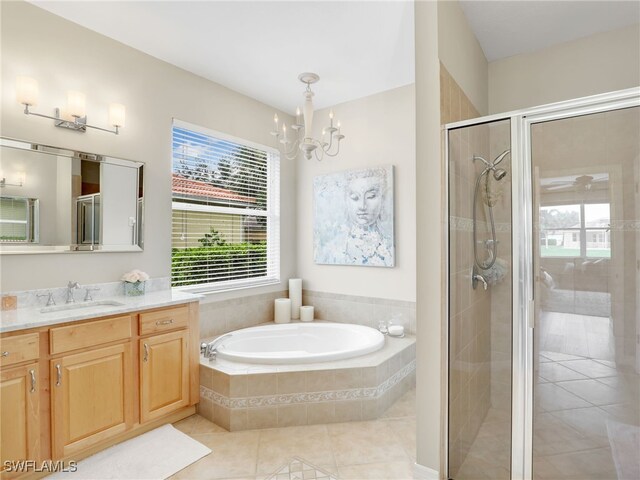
[582,398]
[378,449]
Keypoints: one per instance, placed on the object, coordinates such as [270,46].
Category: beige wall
[430,225]
[379,130]
[596,64]
[461,54]
[447,52]
[154,92]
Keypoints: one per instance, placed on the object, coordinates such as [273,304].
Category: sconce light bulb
[331,114]
[117,114]
[275,118]
[76,103]
[27,91]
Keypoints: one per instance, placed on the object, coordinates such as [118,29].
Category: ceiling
[258,48]
[358,48]
[506,28]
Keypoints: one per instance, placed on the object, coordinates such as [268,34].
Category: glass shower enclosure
[544,292]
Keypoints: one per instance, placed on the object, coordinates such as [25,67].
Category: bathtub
[300,343]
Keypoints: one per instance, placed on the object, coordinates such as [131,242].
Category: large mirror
[58,200]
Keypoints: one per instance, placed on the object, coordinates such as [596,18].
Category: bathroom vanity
[71,386]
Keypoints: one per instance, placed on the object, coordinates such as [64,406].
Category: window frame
[581,231]
[271,213]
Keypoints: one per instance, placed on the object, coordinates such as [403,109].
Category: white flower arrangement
[135,276]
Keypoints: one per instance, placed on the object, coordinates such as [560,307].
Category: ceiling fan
[582,182]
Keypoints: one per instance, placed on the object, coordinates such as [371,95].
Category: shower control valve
[478,278]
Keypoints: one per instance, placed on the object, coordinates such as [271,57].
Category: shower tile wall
[501,318]
[470,323]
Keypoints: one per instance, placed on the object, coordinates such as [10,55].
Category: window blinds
[225,211]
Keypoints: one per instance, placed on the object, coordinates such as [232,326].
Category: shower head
[499,173]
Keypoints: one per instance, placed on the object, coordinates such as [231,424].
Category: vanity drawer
[163,320]
[75,337]
[19,348]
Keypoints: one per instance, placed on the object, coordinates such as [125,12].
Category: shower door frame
[523,300]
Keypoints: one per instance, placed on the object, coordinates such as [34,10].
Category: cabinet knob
[4,354]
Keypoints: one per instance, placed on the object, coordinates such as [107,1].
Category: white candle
[295,294]
[282,310]
[306,313]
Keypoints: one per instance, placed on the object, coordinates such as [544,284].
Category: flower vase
[134,289]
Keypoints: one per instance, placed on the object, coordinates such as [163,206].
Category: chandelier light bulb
[303,140]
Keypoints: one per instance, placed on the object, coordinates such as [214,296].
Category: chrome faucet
[70,287]
[50,299]
[87,295]
[210,349]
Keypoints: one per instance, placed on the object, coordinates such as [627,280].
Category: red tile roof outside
[195,188]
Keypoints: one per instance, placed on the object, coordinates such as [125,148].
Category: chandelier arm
[330,143]
[336,152]
[294,147]
[319,157]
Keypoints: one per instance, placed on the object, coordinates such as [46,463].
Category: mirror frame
[23,248]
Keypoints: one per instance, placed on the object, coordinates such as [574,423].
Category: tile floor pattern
[576,397]
[378,449]
[299,469]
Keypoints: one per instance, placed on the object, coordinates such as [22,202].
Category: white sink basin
[76,306]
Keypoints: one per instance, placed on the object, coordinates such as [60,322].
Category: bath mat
[157,454]
[299,469]
[625,445]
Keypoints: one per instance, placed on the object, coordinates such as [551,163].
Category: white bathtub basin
[300,343]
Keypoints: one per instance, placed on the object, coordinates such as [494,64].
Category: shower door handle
[531,317]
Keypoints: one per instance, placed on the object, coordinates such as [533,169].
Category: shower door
[585,176]
[480,296]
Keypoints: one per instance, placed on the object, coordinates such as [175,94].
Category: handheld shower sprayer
[492,244]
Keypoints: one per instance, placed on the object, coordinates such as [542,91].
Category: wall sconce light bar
[27,94]
[3,183]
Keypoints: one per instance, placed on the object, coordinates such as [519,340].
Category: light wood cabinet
[70,390]
[164,374]
[91,397]
[19,413]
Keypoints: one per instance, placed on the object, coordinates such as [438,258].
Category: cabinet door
[164,374]
[91,397]
[19,414]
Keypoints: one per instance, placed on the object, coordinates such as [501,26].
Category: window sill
[212,289]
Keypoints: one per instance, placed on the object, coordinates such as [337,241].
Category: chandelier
[301,138]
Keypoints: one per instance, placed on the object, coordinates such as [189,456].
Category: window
[18,220]
[581,230]
[225,211]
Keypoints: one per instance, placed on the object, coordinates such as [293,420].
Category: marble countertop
[34,317]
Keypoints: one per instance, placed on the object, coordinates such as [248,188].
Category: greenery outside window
[225,211]
[577,230]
